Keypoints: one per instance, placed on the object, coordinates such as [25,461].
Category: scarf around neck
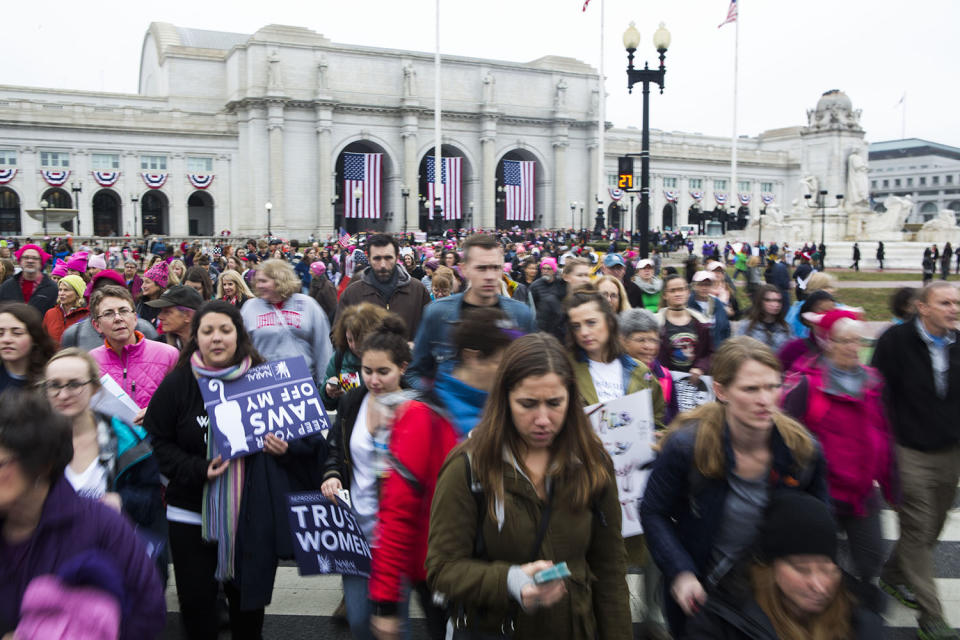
[220,512]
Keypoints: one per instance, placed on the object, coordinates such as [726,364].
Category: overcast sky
[791,51]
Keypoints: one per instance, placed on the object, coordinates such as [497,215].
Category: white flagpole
[437,155]
[903,116]
[601,178]
[733,196]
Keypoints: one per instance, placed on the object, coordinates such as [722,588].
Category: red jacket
[55,321]
[420,442]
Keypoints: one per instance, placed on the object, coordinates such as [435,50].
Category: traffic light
[625,173]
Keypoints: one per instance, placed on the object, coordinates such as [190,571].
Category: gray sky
[790,51]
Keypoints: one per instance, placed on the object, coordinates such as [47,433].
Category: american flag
[519,183]
[450,177]
[361,170]
[731,14]
[345,240]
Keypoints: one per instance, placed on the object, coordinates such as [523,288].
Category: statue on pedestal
[274,80]
[858,193]
[489,86]
[560,97]
[946,221]
[891,221]
[599,224]
[409,81]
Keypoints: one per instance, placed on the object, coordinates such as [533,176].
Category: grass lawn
[863,276]
[874,302]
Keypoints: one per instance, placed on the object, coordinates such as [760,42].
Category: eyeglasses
[110,315]
[54,388]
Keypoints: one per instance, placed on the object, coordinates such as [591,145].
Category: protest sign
[691,395]
[277,397]
[326,536]
[625,427]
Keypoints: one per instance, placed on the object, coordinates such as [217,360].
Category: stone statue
[946,221]
[322,75]
[857,190]
[810,185]
[594,103]
[560,97]
[489,86]
[409,81]
[274,81]
[891,221]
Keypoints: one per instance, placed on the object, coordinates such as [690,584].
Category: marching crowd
[477,356]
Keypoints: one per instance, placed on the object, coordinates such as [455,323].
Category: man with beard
[386,284]
[645,288]
[31,285]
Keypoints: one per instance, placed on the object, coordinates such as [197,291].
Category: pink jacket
[140,368]
[854,433]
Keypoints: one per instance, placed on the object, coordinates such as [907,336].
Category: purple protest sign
[277,397]
[326,536]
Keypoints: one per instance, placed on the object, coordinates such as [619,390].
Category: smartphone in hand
[556,572]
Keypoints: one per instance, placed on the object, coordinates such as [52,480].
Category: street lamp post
[77,187]
[573,209]
[269,207]
[134,198]
[43,205]
[661,42]
[581,216]
[633,222]
[357,194]
[763,212]
[821,204]
[405,192]
[333,214]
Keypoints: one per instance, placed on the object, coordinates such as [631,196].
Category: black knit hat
[796,523]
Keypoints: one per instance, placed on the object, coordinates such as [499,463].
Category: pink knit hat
[550,263]
[60,269]
[77,262]
[97,261]
[318,268]
[44,256]
[159,273]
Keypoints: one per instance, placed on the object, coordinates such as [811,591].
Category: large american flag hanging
[362,170]
[518,179]
[450,177]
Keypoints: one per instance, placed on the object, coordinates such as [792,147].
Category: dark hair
[901,302]
[359,320]
[244,342]
[203,259]
[43,347]
[481,329]
[382,240]
[756,311]
[813,299]
[586,294]
[199,274]
[456,256]
[667,279]
[391,338]
[38,437]
[480,241]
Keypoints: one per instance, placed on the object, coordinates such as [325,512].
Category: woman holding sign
[240,504]
[717,466]
[531,487]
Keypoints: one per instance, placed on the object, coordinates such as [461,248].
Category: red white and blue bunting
[199,180]
[697,195]
[720,197]
[6,175]
[106,178]
[55,178]
[767,198]
[745,198]
[154,180]
[616,193]
[671,195]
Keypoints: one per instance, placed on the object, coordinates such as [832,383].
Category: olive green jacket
[637,377]
[588,540]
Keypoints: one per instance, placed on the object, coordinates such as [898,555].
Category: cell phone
[556,572]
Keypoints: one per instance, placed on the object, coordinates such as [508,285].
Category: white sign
[625,427]
[691,395]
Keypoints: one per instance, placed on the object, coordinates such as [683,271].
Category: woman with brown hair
[24,346]
[765,319]
[717,466]
[343,370]
[531,487]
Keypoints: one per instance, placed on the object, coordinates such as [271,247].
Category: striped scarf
[222,495]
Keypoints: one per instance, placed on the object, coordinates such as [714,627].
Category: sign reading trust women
[326,536]
[276,397]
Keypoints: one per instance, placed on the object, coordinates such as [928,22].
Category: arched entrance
[518,179]
[200,214]
[106,213]
[669,216]
[361,187]
[154,212]
[59,199]
[9,212]
[928,210]
[457,172]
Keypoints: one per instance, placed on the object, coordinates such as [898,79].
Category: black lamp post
[405,192]
[269,207]
[581,216]
[77,187]
[43,205]
[134,198]
[763,212]
[573,209]
[821,204]
[661,41]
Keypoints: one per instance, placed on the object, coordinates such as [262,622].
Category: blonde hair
[172,278]
[624,303]
[821,280]
[833,623]
[283,274]
[237,280]
[708,450]
[93,369]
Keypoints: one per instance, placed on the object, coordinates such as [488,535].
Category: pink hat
[97,262]
[700,276]
[44,256]
[77,263]
[107,274]
[318,268]
[550,263]
[507,267]
[60,269]
[825,322]
[159,273]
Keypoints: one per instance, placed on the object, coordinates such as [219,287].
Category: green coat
[637,378]
[597,601]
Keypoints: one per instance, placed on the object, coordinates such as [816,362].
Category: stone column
[177,211]
[325,188]
[275,135]
[559,184]
[488,168]
[590,203]
[131,184]
[410,168]
[224,216]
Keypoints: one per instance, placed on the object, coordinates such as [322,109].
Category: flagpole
[437,155]
[903,117]
[603,116]
[735,198]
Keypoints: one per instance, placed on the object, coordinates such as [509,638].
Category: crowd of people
[472,359]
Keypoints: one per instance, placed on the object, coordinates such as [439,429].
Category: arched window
[57,199]
[9,212]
